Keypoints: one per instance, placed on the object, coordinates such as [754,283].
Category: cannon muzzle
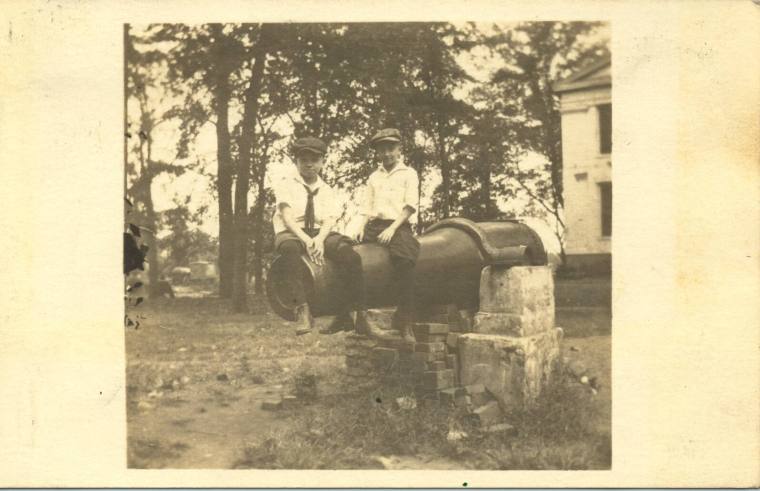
[452,254]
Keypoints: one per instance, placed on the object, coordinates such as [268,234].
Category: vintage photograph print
[368,245]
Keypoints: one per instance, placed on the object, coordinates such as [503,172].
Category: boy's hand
[309,243]
[358,235]
[386,235]
[317,251]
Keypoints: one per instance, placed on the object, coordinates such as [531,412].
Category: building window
[605,189]
[605,128]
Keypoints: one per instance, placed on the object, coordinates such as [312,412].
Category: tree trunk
[258,262]
[153,264]
[149,212]
[485,184]
[242,184]
[224,191]
[445,170]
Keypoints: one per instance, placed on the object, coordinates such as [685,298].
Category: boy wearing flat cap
[390,200]
[306,212]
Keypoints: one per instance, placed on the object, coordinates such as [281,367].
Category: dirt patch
[198,375]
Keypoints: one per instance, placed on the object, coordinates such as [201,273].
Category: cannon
[453,252]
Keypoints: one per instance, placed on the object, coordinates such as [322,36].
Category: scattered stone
[289,402]
[182,349]
[576,369]
[257,379]
[573,348]
[488,414]
[271,405]
[222,377]
[594,384]
[477,393]
[455,435]
[316,433]
[501,428]
[465,401]
[584,380]
[452,395]
[145,406]
[175,384]
[155,394]
[185,380]
[405,403]
[158,383]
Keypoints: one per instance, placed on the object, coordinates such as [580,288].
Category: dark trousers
[404,250]
[339,250]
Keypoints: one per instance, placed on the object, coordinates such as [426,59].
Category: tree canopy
[472,101]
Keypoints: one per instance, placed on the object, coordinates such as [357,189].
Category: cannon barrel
[452,254]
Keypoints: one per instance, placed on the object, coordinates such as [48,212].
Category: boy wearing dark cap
[306,213]
[390,200]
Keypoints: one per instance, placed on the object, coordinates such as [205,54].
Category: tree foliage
[262,85]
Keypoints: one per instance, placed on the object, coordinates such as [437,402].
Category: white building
[586,108]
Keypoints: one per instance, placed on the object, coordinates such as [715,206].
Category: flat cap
[386,134]
[309,144]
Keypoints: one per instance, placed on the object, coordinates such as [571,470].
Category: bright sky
[197,183]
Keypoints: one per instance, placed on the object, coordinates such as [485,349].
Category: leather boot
[366,328]
[341,322]
[304,320]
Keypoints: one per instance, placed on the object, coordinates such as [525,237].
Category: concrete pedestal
[513,369]
[515,346]
[515,301]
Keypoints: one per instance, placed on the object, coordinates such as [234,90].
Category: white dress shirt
[388,193]
[290,189]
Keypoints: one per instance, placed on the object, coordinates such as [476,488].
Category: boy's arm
[329,221]
[282,200]
[409,209]
[365,209]
[290,223]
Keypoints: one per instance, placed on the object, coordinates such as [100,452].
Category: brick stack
[430,366]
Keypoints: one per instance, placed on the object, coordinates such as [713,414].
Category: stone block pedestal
[513,369]
[515,346]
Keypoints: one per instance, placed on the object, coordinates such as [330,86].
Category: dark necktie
[309,218]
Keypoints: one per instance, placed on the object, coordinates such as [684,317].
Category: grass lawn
[197,375]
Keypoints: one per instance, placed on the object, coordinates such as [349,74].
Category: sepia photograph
[318,244]
[368,245]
